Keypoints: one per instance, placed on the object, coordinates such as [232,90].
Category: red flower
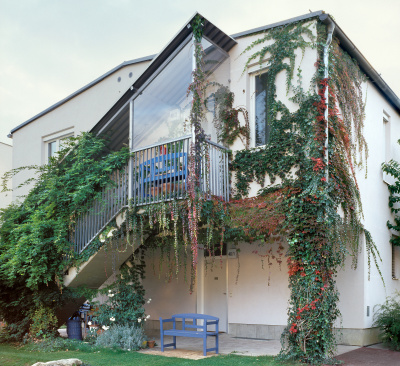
[303,274]
[323,179]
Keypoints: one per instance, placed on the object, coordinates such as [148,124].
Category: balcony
[156,173]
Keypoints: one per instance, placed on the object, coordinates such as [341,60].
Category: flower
[149,301]
[139,320]
[102,238]
[105,327]
[112,319]
[148,316]
[110,295]
[89,323]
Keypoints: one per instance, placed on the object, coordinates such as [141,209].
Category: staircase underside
[99,267]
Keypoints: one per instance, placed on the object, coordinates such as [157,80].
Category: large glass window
[161,109]
[261,110]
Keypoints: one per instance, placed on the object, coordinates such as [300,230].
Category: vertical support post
[131,162]
[192,80]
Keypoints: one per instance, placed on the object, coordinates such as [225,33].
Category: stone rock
[65,362]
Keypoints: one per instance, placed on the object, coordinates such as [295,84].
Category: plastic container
[74,328]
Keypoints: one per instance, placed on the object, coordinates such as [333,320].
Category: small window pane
[52,149]
[262,126]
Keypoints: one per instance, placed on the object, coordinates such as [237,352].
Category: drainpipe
[330,28]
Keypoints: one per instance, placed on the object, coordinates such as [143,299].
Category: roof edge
[81,90]
[364,64]
[278,24]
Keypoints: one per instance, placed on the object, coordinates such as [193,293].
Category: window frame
[253,72]
[56,138]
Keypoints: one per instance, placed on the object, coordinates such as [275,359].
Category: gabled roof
[226,43]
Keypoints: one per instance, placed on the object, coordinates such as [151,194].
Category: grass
[11,355]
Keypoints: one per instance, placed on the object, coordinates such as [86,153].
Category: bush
[127,337]
[44,322]
[387,318]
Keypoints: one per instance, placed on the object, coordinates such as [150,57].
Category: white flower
[89,323]
[102,238]
[111,233]
[112,319]
[145,319]
[129,349]
[110,295]
[109,290]
[148,316]
[149,301]
[139,320]
[105,327]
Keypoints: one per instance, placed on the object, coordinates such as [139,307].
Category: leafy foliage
[393,169]
[125,297]
[387,318]
[34,234]
[310,191]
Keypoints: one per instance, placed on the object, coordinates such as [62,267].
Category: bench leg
[162,341]
[216,343]
[174,340]
[205,346]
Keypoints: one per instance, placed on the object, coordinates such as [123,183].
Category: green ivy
[34,245]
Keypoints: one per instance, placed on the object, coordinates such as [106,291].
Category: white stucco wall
[374,195]
[169,294]
[5,165]
[78,114]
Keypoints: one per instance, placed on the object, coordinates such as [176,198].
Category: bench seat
[193,330]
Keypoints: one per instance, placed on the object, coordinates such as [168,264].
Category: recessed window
[53,143]
[386,131]
[55,146]
[395,260]
[262,127]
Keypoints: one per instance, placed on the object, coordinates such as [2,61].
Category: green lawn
[21,356]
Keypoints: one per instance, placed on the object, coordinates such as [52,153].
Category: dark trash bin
[74,329]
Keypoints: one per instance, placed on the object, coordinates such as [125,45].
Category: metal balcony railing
[159,172]
[102,211]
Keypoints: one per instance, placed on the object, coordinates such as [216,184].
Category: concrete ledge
[260,331]
[357,337]
[345,336]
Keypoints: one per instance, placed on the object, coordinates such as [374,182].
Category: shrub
[387,318]
[44,322]
[127,337]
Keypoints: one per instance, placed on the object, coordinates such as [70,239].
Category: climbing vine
[311,188]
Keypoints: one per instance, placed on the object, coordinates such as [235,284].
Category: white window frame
[395,261]
[253,71]
[387,146]
[56,137]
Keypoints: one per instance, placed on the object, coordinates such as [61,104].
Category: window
[262,127]
[54,146]
[386,131]
[53,143]
[387,153]
[395,260]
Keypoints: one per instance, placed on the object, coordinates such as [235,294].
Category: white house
[124,100]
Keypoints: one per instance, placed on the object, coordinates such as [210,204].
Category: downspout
[330,28]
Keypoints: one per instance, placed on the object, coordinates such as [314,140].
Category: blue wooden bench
[162,169]
[190,330]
